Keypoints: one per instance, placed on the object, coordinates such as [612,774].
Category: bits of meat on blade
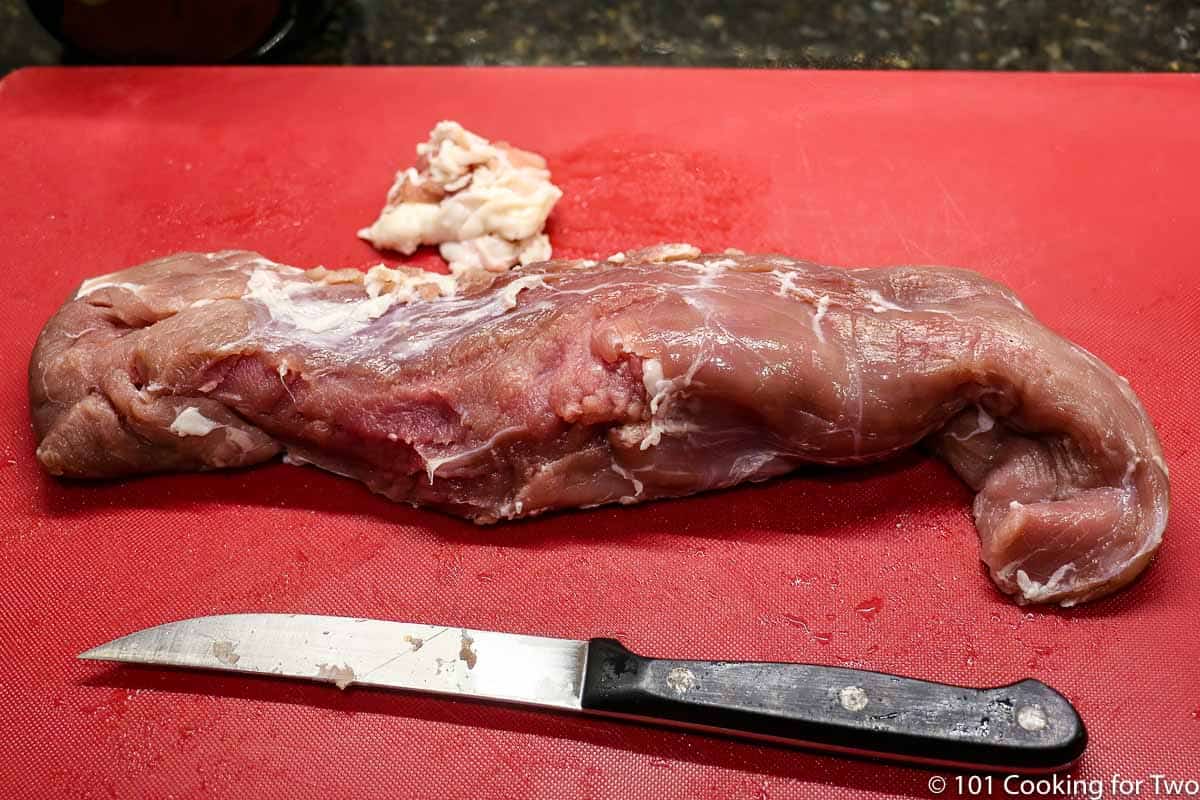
[340,675]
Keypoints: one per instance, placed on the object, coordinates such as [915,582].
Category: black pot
[178,31]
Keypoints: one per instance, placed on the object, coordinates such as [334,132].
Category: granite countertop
[947,34]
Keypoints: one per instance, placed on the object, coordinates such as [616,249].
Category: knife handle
[1022,727]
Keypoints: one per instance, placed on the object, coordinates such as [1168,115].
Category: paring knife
[1023,727]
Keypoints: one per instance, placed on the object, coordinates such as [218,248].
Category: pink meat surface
[570,384]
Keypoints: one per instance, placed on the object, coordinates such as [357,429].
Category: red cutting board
[1082,193]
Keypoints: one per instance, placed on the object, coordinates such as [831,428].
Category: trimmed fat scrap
[569,384]
[484,204]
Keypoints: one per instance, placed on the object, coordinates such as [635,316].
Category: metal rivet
[1031,718]
[853,698]
[681,680]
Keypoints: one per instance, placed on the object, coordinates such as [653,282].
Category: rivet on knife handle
[1026,726]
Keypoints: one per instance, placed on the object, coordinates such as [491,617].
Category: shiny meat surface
[570,384]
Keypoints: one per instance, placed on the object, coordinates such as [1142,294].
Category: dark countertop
[947,34]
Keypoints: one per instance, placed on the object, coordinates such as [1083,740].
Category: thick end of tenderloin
[97,412]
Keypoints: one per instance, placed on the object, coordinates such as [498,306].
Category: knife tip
[94,654]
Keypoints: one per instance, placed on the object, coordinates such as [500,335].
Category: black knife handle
[1023,727]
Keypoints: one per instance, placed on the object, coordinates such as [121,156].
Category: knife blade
[1022,727]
